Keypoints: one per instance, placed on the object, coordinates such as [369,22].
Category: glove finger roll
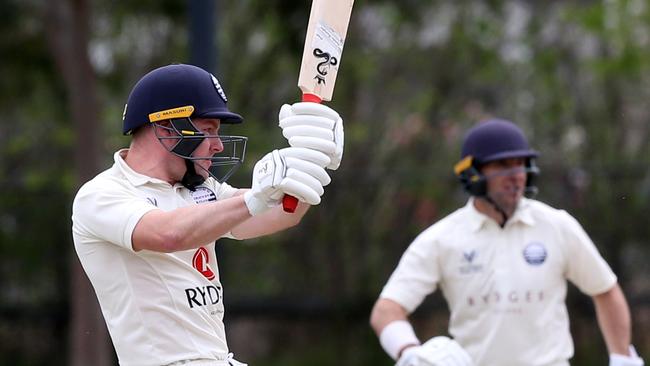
[308,131]
[314,171]
[306,154]
[324,146]
[314,109]
[303,120]
[306,179]
[300,191]
[285,111]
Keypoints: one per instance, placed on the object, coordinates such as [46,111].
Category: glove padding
[438,351]
[293,170]
[620,360]
[314,126]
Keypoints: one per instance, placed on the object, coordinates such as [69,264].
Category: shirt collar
[476,219]
[135,178]
[523,213]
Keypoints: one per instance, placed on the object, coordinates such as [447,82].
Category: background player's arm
[386,312]
[614,320]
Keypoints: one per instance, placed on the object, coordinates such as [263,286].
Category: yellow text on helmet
[179,112]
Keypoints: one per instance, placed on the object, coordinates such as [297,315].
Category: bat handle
[289,203]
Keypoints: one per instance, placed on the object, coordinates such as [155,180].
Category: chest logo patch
[200,262]
[535,253]
[469,256]
[468,264]
[203,195]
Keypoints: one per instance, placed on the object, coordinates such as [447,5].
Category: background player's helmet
[493,140]
[178,93]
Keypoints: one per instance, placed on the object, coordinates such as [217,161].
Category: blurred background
[574,74]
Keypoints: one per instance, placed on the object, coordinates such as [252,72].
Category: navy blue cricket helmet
[175,86]
[488,141]
[177,94]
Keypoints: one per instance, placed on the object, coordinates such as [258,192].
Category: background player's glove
[316,127]
[620,360]
[438,351]
[293,170]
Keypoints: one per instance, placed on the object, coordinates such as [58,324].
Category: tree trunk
[67,27]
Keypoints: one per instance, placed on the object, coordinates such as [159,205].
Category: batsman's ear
[470,177]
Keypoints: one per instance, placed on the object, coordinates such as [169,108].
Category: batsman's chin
[202,168]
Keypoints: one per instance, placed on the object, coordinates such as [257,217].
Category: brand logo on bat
[323,66]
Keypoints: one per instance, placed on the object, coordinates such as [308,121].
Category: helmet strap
[191,179]
[498,208]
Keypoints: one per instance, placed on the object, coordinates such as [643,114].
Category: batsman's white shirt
[505,288]
[159,307]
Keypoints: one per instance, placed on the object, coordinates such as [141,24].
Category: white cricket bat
[321,57]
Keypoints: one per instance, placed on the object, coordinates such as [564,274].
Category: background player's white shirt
[505,288]
[159,307]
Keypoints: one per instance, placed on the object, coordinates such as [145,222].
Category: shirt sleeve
[107,214]
[224,190]
[416,275]
[586,268]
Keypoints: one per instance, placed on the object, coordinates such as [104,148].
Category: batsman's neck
[492,210]
[148,157]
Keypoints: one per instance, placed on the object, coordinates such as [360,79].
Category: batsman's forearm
[614,320]
[188,227]
[269,222]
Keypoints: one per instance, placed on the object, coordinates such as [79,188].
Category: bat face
[328,25]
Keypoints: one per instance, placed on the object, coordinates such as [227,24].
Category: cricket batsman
[145,229]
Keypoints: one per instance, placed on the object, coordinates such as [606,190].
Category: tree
[68,31]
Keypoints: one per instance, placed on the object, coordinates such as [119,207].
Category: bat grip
[289,203]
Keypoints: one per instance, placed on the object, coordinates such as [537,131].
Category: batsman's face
[210,146]
[506,182]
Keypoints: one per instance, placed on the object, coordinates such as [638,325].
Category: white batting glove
[621,360]
[314,126]
[293,170]
[438,351]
